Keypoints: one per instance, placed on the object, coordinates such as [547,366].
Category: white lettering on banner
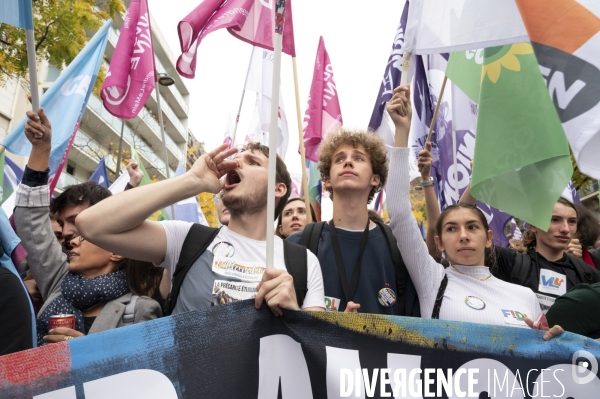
[395,61]
[557,86]
[143,383]
[65,393]
[267,3]
[77,85]
[331,89]
[138,99]
[140,33]
[147,384]
[112,96]
[281,362]
[478,54]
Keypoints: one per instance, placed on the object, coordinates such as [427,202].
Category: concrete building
[99,132]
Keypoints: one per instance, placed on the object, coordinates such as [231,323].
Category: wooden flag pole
[277,46]
[301,146]
[437,108]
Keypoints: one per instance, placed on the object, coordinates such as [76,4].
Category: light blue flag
[17,13]
[187,210]
[100,175]
[65,101]
[10,243]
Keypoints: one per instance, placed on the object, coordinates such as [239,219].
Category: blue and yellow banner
[236,351]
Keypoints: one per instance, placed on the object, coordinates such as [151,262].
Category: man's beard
[252,203]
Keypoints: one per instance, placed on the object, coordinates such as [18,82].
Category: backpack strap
[296,263]
[439,298]
[129,311]
[584,271]
[311,235]
[197,240]
[401,271]
[521,268]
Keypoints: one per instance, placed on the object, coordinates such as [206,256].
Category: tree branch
[39,43]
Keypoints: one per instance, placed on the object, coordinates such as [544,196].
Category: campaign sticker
[552,282]
[514,317]
[545,301]
[474,303]
[386,297]
[331,304]
[223,249]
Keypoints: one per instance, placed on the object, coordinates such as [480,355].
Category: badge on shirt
[552,282]
[245,271]
[514,317]
[331,304]
[474,303]
[223,249]
[545,301]
[386,297]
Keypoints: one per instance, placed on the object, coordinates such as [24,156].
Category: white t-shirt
[230,269]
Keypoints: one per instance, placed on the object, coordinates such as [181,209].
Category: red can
[62,320]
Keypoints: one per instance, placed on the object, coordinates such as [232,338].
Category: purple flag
[457,112]
[391,80]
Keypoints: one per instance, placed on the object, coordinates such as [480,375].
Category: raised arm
[432,207]
[425,272]
[466,197]
[45,257]
[118,224]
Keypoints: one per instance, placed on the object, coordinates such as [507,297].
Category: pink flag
[248,20]
[323,114]
[130,78]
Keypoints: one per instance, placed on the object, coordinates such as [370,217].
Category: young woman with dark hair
[466,290]
[292,218]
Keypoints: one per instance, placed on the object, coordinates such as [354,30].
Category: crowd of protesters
[96,256]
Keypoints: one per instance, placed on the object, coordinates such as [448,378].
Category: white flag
[259,79]
[453,25]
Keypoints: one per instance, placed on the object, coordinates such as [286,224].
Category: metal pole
[119,157]
[277,47]
[237,118]
[162,134]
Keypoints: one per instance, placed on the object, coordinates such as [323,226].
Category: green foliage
[61,31]
[579,179]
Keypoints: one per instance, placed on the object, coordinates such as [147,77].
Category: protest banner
[236,351]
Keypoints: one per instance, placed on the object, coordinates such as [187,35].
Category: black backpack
[197,241]
[522,269]
[310,240]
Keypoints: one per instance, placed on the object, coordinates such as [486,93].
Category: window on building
[53,73]
[70,169]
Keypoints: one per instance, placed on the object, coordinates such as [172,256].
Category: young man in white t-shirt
[233,266]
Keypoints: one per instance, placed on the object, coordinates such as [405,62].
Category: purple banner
[391,76]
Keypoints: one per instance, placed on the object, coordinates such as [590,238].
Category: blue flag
[17,13]
[187,210]
[10,242]
[422,228]
[100,175]
[391,80]
[65,101]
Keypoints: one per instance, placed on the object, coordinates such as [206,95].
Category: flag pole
[301,145]
[237,118]
[277,47]
[119,157]
[437,108]
[162,134]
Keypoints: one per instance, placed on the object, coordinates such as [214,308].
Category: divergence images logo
[581,360]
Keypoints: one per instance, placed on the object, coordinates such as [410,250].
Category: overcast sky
[358,36]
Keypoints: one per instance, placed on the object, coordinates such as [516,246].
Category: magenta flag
[323,114]
[130,78]
[248,20]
